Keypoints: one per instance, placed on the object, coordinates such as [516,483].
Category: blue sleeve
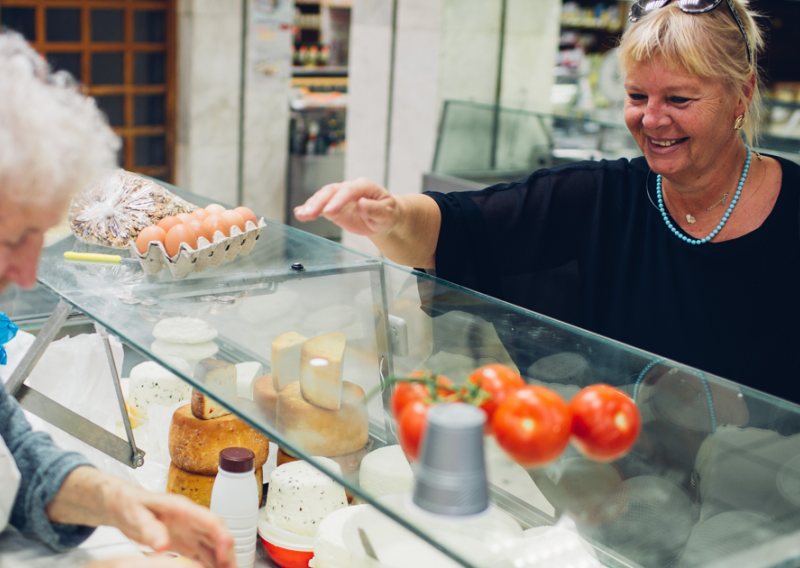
[43,467]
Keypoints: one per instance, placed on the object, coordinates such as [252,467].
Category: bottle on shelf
[234,497]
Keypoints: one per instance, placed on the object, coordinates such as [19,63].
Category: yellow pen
[93,256]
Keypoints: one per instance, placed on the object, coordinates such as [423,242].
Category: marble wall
[209,96]
[445,50]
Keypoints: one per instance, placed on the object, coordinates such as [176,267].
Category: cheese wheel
[220,377]
[197,486]
[323,432]
[321,364]
[266,397]
[195,444]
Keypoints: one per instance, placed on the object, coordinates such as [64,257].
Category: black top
[584,243]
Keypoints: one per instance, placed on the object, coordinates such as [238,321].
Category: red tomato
[605,422]
[533,425]
[406,392]
[497,380]
[412,423]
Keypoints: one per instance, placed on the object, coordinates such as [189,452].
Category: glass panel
[149,110]
[150,151]
[22,20]
[149,26]
[148,69]
[69,62]
[107,69]
[113,106]
[713,478]
[487,144]
[63,24]
[107,25]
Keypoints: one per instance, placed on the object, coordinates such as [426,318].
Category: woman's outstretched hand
[360,207]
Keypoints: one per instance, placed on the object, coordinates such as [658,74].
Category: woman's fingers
[337,202]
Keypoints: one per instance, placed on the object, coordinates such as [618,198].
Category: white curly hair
[53,139]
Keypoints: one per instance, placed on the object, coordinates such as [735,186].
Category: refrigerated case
[714,479]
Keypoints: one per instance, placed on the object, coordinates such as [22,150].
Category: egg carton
[206,254]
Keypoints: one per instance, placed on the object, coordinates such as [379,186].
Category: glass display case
[489,144]
[714,479]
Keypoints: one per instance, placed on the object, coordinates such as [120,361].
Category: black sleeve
[520,241]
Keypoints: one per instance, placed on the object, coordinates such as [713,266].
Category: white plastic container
[234,498]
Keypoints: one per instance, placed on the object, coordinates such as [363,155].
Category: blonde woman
[692,252]
[53,142]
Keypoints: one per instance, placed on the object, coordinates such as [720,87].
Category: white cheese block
[150,383]
[246,375]
[300,496]
[188,331]
[323,432]
[286,359]
[220,378]
[386,471]
[330,550]
[191,353]
[321,361]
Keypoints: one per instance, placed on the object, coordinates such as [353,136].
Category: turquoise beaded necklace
[713,234]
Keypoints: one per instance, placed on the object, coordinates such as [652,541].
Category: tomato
[532,425]
[498,381]
[409,391]
[606,422]
[412,423]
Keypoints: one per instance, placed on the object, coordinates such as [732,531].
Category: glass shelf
[683,491]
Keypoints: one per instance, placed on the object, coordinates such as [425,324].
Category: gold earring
[739,122]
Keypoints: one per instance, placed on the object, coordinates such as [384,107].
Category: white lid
[283,538]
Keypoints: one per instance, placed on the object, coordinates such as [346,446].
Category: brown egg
[148,235]
[215,208]
[179,234]
[200,214]
[184,217]
[168,222]
[218,223]
[199,228]
[233,218]
[247,214]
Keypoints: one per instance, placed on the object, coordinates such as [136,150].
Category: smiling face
[683,123]
[22,228]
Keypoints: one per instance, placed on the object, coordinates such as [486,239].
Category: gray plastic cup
[451,476]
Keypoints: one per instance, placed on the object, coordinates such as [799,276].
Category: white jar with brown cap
[234,498]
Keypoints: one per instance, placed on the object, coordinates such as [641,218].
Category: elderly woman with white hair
[692,251]
[53,142]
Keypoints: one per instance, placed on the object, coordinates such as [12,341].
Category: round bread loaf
[323,432]
[190,331]
[266,397]
[197,486]
[194,444]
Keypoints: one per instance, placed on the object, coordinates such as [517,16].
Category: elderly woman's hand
[171,523]
[360,207]
[161,521]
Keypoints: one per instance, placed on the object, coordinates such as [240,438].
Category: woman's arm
[405,228]
[164,522]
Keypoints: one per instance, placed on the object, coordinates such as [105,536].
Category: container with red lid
[287,549]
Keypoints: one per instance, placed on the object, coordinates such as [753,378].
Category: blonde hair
[708,45]
[53,140]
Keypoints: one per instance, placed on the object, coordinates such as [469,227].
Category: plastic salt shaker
[234,498]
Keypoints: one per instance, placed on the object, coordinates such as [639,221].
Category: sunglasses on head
[642,7]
